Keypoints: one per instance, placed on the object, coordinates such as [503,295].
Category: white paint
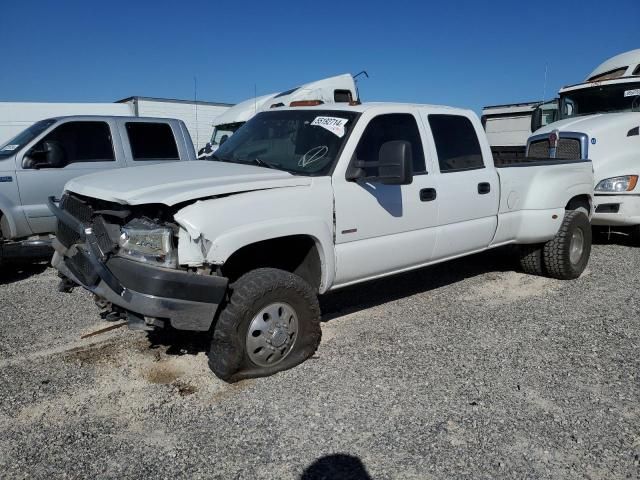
[362,229]
[172,183]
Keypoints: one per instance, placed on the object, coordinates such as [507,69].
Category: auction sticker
[10,147]
[334,124]
[632,93]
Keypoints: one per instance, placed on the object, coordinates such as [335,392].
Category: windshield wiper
[263,163]
[218,158]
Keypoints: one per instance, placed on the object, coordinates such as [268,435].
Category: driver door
[384,228]
[72,149]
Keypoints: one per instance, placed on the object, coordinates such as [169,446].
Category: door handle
[428,194]
[484,188]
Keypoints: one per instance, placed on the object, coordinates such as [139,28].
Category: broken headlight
[148,242]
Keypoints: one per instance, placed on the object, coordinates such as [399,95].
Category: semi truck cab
[600,120]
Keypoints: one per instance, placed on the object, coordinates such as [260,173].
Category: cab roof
[363,107]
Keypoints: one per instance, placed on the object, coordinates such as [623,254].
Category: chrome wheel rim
[576,246]
[272,334]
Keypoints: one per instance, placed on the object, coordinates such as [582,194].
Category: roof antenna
[195,100]
[363,72]
[544,87]
[355,80]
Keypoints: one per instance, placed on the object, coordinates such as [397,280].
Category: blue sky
[462,53]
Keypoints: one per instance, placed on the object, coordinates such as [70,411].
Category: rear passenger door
[468,190]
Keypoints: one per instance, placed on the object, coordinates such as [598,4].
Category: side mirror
[48,154]
[395,163]
[536,119]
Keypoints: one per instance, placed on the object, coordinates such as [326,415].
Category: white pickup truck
[302,201]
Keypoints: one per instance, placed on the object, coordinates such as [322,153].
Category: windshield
[621,97]
[24,137]
[222,131]
[305,142]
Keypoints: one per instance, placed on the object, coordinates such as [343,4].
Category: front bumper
[186,300]
[616,210]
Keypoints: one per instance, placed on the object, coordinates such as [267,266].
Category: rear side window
[152,141]
[456,143]
[617,73]
[82,142]
[385,128]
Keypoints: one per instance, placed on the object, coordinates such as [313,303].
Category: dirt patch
[162,373]
[93,354]
[230,390]
[506,287]
[185,389]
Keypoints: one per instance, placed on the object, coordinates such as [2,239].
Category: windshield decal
[334,124]
[313,155]
[10,147]
[632,93]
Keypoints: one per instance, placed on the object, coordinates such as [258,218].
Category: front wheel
[271,323]
[566,255]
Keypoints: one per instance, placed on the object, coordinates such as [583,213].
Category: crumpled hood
[593,125]
[177,182]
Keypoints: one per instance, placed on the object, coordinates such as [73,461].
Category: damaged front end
[138,262]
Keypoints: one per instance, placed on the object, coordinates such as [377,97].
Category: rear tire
[567,254]
[531,258]
[271,323]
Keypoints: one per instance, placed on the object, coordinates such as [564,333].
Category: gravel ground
[464,370]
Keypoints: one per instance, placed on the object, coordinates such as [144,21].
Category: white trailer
[197,115]
[509,126]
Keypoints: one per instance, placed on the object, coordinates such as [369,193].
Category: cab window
[152,141]
[72,142]
[385,128]
[456,143]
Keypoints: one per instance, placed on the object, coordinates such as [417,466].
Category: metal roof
[173,100]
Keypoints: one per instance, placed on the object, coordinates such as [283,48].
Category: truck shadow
[377,292]
[363,296]
[612,238]
[11,272]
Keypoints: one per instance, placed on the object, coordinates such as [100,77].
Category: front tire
[567,254]
[271,323]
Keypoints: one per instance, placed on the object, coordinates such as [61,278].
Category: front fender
[225,245]
[14,219]
[219,227]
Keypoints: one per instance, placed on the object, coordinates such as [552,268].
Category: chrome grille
[81,267]
[539,149]
[78,209]
[569,149]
